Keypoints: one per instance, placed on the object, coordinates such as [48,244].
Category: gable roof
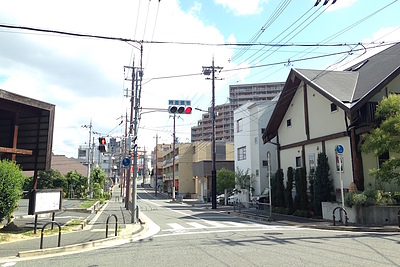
[349,89]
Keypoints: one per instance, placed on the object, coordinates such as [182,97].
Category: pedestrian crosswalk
[210,224]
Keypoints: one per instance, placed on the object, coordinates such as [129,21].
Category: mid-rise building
[224,123]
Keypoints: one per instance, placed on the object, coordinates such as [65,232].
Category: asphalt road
[182,235]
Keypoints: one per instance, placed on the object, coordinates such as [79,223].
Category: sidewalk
[92,232]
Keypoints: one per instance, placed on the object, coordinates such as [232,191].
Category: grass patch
[87,204]
[14,233]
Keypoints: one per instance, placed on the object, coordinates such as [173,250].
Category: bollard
[116,224]
[345,214]
[398,217]
[59,233]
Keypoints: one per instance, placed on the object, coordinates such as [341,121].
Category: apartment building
[193,166]
[239,94]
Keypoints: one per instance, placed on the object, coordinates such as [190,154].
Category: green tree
[225,180]
[51,179]
[301,198]
[77,183]
[11,182]
[323,185]
[99,177]
[386,138]
[288,190]
[279,189]
[244,180]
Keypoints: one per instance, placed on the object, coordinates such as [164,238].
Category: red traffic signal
[180,109]
[102,141]
[188,110]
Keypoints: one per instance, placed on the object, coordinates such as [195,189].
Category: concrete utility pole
[134,211]
[156,187]
[128,175]
[208,71]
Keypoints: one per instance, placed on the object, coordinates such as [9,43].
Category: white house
[319,110]
[250,152]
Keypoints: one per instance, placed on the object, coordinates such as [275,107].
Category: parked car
[233,199]
[262,198]
[220,198]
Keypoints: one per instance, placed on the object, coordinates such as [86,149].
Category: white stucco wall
[296,132]
[254,117]
[320,113]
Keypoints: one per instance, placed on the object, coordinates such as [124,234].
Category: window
[298,162]
[239,125]
[241,153]
[382,158]
[257,173]
[289,123]
[265,163]
[333,107]
[255,140]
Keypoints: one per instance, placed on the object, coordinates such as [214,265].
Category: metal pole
[128,176]
[156,187]
[89,165]
[214,171]
[269,184]
[173,164]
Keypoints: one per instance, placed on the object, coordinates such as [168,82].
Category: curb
[129,233]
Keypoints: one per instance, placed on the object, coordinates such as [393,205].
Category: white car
[233,199]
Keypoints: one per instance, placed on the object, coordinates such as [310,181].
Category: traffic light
[179,107]
[102,144]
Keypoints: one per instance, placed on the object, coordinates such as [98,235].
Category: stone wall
[373,215]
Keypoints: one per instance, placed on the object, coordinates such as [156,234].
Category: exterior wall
[254,116]
[296,132]
[239,94]
[347,174]
[320,112]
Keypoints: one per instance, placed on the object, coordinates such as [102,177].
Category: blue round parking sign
[126,162]
[339,149]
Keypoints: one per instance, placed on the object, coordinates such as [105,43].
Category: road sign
[339,149]
[126,162]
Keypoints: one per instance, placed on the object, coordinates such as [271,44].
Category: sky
[253,41]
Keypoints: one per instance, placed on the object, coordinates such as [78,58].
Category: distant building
[224,123]
[250,152]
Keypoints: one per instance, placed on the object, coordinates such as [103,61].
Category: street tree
[323,184]
[244,179]
[11,182]
[77,183]
[99,177]
[386,140]
[225,180]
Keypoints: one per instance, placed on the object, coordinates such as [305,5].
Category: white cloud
[84,77]
[243,7]
[339,4]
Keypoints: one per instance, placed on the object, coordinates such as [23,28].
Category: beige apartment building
[239,94]
[193,165]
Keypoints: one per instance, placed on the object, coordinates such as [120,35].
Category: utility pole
[90,183]
[156,187]
[208,71]
[128,175]
[173,163]
[134,211]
